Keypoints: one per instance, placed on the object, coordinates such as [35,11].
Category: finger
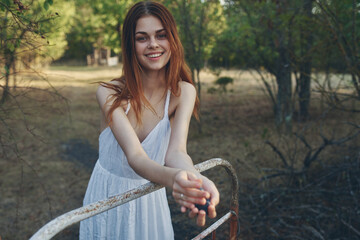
[197,193]
[183,209]
[211,211]
[195,200]
[191,195]
[193,212]
[186,204]
[201,219]
[186,183]
[185,201]
[179,196]
[185,177]
[210,187]
[215,197]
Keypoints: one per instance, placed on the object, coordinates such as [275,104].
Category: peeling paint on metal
[58,224]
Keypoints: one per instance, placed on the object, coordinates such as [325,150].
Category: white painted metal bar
[213,226]
[60,223]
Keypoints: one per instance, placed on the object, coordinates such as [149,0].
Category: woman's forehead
[148,24]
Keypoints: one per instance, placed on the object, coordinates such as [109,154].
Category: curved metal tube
[60,223]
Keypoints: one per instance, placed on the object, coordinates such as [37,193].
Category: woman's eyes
[160,36]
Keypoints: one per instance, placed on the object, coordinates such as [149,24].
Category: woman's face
[151,44]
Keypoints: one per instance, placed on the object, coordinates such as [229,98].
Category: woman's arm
[130,144]
[177,157]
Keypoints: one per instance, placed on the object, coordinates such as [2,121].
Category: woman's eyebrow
[157,31]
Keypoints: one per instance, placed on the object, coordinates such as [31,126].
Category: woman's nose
[153,43]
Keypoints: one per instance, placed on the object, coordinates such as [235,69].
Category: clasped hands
[189,189]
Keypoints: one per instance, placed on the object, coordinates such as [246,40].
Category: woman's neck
[153,80]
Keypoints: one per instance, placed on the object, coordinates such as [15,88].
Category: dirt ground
[57,142]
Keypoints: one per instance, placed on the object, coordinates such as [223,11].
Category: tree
[31,32]
[339,20]
[28,31]
[265,30]
[96,25]
[199,23]
[304,82]
[276,36]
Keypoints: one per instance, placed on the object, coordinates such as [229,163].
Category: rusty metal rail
[60,223]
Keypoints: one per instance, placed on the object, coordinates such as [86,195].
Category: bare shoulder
[187,92]
[186,97]
[106,91]
[103,91]
[187,89]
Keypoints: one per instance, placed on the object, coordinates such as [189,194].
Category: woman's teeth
[154,55]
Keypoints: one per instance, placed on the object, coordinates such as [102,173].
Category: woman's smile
[154,56]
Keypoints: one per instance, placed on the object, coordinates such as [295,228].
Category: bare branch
[276,150]
[351,227]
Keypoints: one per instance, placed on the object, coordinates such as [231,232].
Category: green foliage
[57,29]
[199,22]
[223,82]
[212,90]
[35,29]
[249,39]
[96,25]
[338,34]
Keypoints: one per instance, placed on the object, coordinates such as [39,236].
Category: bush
[223,82]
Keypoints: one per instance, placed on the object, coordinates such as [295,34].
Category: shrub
[223,82]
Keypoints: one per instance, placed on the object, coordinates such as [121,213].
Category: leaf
[11,47]
[7,3]
[50,2]
[46,5]
[18,42]
[7,70]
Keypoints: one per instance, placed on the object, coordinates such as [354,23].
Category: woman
[145,120]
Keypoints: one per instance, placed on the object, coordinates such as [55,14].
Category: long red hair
[130,87]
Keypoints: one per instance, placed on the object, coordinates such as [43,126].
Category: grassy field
[56,133]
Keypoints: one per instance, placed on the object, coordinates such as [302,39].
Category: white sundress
[145,218]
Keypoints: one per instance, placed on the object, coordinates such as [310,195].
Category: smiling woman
[144,127]
[151,44]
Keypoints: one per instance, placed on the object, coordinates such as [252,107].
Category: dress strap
[128,107]
[167,101]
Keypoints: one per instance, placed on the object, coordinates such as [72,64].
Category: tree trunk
[304,90]
[198,83]
[6,89]
[283,106]
[305,65]
[14,73]
[6,54]
[355,76]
